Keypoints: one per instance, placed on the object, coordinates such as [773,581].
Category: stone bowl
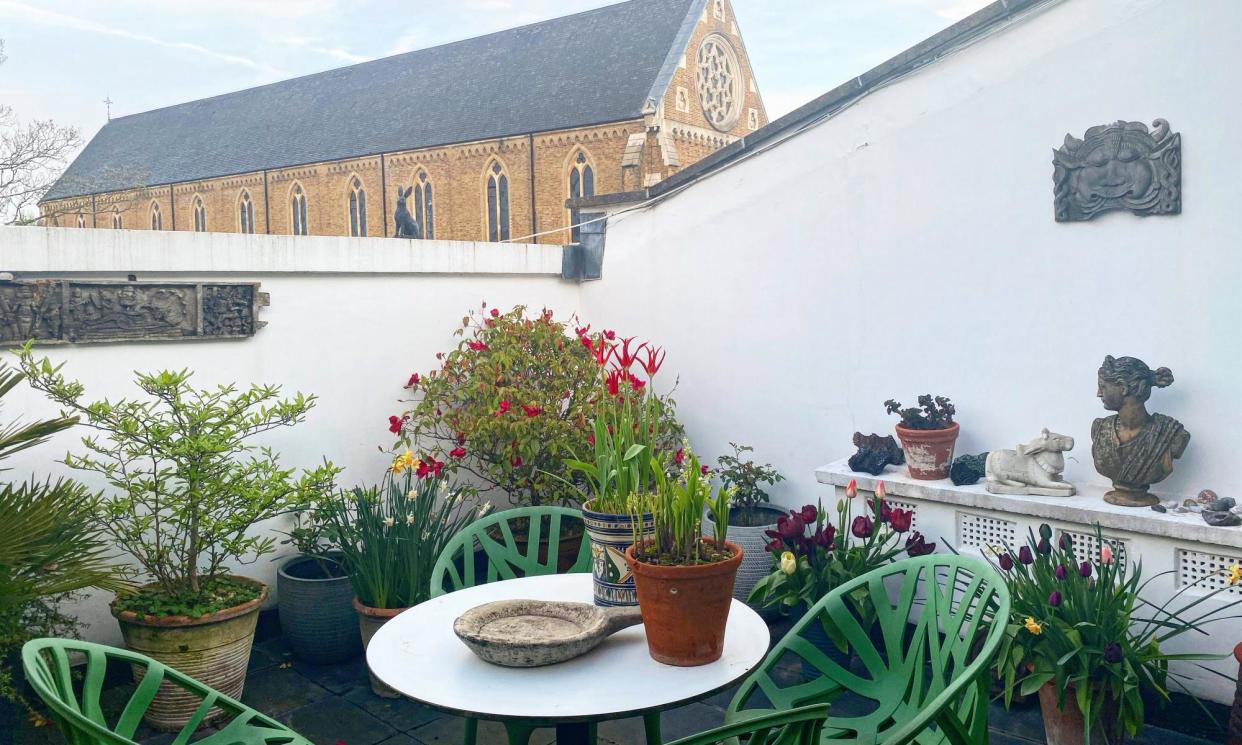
[534,633]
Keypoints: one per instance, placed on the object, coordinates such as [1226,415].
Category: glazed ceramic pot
[685,608]
[1064,726]
[611,535]
[756,561]
[369,621]
[929,452]
[316,612]
[213,649]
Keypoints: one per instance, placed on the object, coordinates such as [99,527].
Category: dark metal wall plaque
[67,311]
[1119,166]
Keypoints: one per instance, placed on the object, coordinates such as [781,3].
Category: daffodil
[1033,626]
[404,461]
[389,522]
[409,519]
[1235,574]
[789,564]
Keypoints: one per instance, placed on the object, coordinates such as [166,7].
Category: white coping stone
[1087,507]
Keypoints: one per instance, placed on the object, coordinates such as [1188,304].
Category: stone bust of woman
[1132,447]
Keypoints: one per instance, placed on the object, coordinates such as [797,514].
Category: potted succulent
[186,487]
[1084,639]
[684,580]
[629,434]
[811,554]
[751,518]
[928,435]
[314,595]
[391,535]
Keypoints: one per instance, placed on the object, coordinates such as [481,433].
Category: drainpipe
[267,208]
[94,213]
[172,206]
[534,222]
[384,193]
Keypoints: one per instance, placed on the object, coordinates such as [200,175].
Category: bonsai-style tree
[50,544]
[187,485]
[747,477]
[931,413]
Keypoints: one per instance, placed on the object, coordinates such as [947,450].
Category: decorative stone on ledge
[1087,508]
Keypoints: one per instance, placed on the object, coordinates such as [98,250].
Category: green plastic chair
[800,726]
[927,681]
[78,713]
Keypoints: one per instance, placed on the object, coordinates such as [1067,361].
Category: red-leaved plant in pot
[928,435]
[685,580]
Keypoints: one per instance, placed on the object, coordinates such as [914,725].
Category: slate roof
[589,68]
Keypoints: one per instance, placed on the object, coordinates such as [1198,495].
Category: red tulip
[862,527]
[809,514]
[901,520]
[654,359]
[625,357]
[636,384]
[851,490]
[613,382]
[531,410]
[601,352]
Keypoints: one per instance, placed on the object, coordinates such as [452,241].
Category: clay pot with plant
[928,436]
[186,489]
[751,518]
[685,580]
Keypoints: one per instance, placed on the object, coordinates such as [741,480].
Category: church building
[489,137]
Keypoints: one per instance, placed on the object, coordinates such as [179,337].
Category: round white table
[418,654]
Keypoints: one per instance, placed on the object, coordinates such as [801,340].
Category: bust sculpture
[1132,447]
[1033,468]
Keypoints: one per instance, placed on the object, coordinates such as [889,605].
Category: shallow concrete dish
[534,633]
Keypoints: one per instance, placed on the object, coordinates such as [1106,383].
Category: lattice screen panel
[987,534]
[1206,569]
[1087,545]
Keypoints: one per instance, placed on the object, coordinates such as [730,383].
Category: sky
[66,56]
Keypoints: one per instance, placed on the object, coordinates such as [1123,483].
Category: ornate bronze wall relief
[1119,166]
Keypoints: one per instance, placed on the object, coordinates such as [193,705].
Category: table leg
[651,724]
[577,733]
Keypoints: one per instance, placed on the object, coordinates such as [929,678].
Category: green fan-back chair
[455,569]
[922,669]
[797,727]
[78,712]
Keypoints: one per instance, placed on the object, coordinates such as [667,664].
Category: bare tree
[32,157]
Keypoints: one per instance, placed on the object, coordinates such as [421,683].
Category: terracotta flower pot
[369,621]
[1065,726]
[685,608]
[929,452]
[1235,718]
[213,649]
[611,535]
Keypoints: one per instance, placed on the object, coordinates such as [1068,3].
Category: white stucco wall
[349,320]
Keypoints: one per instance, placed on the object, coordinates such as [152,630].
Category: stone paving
[331,705]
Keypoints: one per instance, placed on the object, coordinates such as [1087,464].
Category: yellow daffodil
[404,461]
[789,564]
[388,522]
[1033,626]
[1235,574]
[409,519]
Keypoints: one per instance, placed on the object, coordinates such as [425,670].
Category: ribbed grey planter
[756,561]
[317,615]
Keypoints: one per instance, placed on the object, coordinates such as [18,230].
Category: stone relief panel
[67,311]
[1119,166]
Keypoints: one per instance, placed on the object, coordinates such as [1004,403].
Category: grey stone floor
[334,704]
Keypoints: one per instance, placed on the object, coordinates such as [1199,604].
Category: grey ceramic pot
[756,561]
[317,615]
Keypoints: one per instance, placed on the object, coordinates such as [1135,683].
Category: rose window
[719,82]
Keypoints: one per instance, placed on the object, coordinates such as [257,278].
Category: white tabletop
[418,654]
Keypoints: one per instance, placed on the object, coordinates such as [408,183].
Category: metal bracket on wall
[584,261]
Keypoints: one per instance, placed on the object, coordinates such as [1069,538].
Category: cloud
[64,21]
[312,44]
[956,10]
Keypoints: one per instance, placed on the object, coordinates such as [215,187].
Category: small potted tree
[684,580]
[928,435]
[186,487]
[750,515]
[314,596]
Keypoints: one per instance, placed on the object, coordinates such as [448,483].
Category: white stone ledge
[1087,508]
[36,250]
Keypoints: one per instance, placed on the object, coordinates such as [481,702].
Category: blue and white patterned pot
[610,536]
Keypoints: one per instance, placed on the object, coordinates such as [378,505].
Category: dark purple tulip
[1066,542]
[790,527]
[1061,572]
[1006,561]
[1055,599]
[1045,531]
[809,513]
[1044,547]
[917,545]
[1025,556]
[862,527]
[1084,569]
[775,546]
[1112,653]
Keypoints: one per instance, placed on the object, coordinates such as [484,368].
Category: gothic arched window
[581,185]
[81,220]
[497,203]
[116,218]
[245,212]
[297,203]
[200,216]
[357,208]
[157,220]
[424,205]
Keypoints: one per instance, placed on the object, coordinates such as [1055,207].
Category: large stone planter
[213,649]
[316,614]
[756,561]
[369,621]
[610,536]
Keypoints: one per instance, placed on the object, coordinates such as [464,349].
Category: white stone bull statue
[1033,468]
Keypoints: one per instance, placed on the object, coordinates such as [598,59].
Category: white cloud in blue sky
[66,56]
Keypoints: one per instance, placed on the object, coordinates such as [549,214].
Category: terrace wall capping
[1087,508]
